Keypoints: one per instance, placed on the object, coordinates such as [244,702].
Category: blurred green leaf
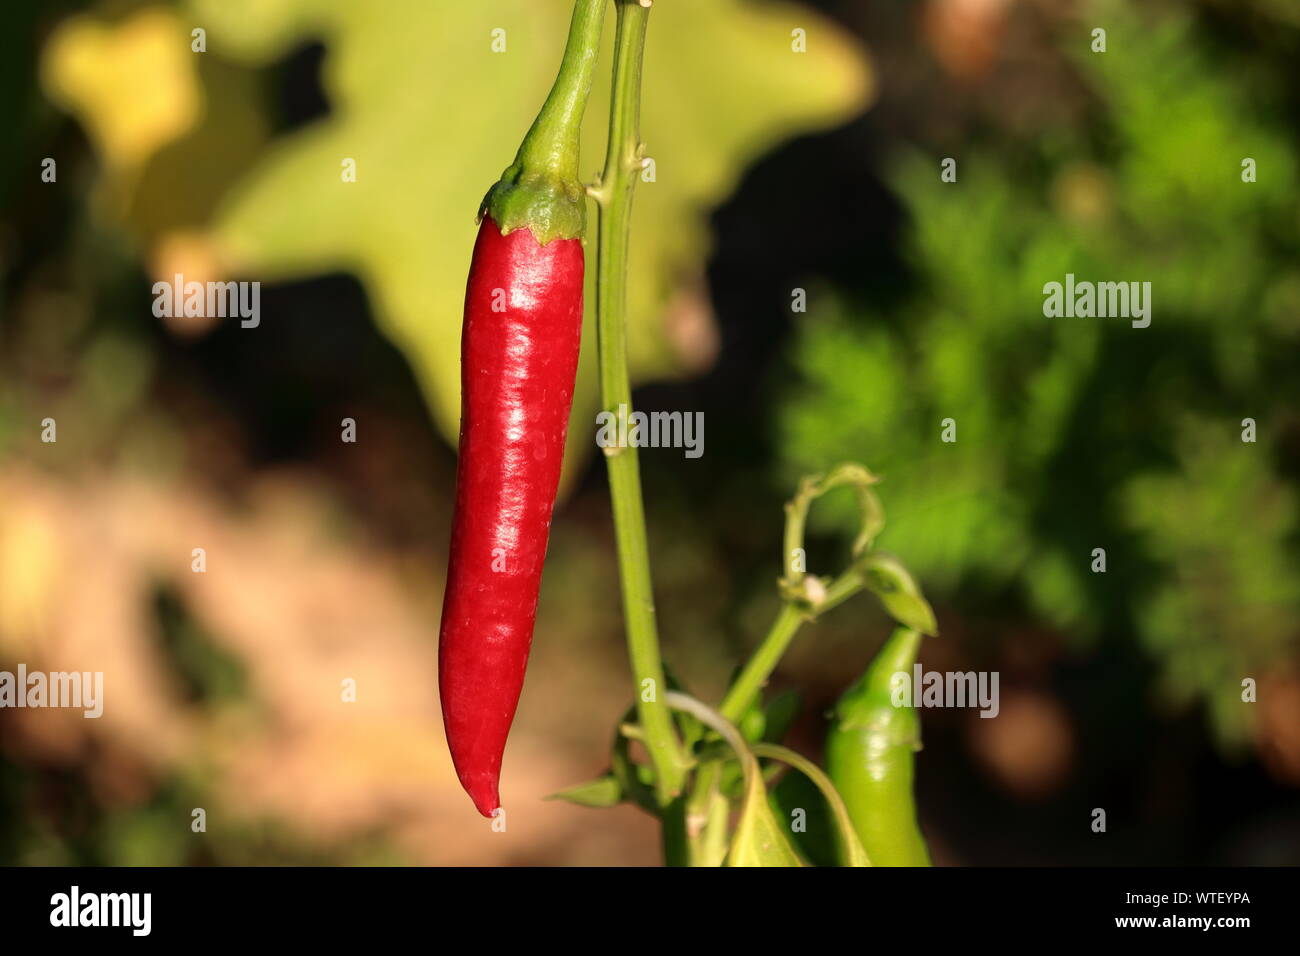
[850,849]
[432,115]
[898,591]
[759,839]
[796,798]
[1082,433]
[1221,525]
[604,791]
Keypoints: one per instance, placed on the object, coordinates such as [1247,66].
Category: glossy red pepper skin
[519,357]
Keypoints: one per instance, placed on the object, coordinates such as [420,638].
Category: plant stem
[613,195]
[760,666]
[806,597]
[552,141]
[749,682]
[753,676]
[801,603]
[540,190]
[792,616]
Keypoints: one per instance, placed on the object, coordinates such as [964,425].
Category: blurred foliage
[134,85]
[224,685]
[1072,434]
[431,115]
[1075,433]
[1224,532]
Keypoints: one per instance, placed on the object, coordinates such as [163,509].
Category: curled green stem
[806,597]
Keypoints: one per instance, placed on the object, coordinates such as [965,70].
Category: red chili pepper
[519,357]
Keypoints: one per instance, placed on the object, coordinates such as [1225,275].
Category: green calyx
[540,190]
[552,207]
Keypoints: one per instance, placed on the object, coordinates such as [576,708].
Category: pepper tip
[486,801]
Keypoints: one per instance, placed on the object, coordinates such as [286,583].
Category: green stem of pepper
[552,141]
[802,603]
[752,678]
[749,682]
[540,190]
[613,195]
[806,597]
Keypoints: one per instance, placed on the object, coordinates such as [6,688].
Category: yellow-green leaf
[759,839]
[431,115]
[850,848]
[898,591]
[604,791]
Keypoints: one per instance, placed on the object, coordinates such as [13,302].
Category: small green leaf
[759,839]
[898,591]
[797,802]
[851,851]
[604,791]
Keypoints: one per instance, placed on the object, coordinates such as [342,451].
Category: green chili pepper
[870,753]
